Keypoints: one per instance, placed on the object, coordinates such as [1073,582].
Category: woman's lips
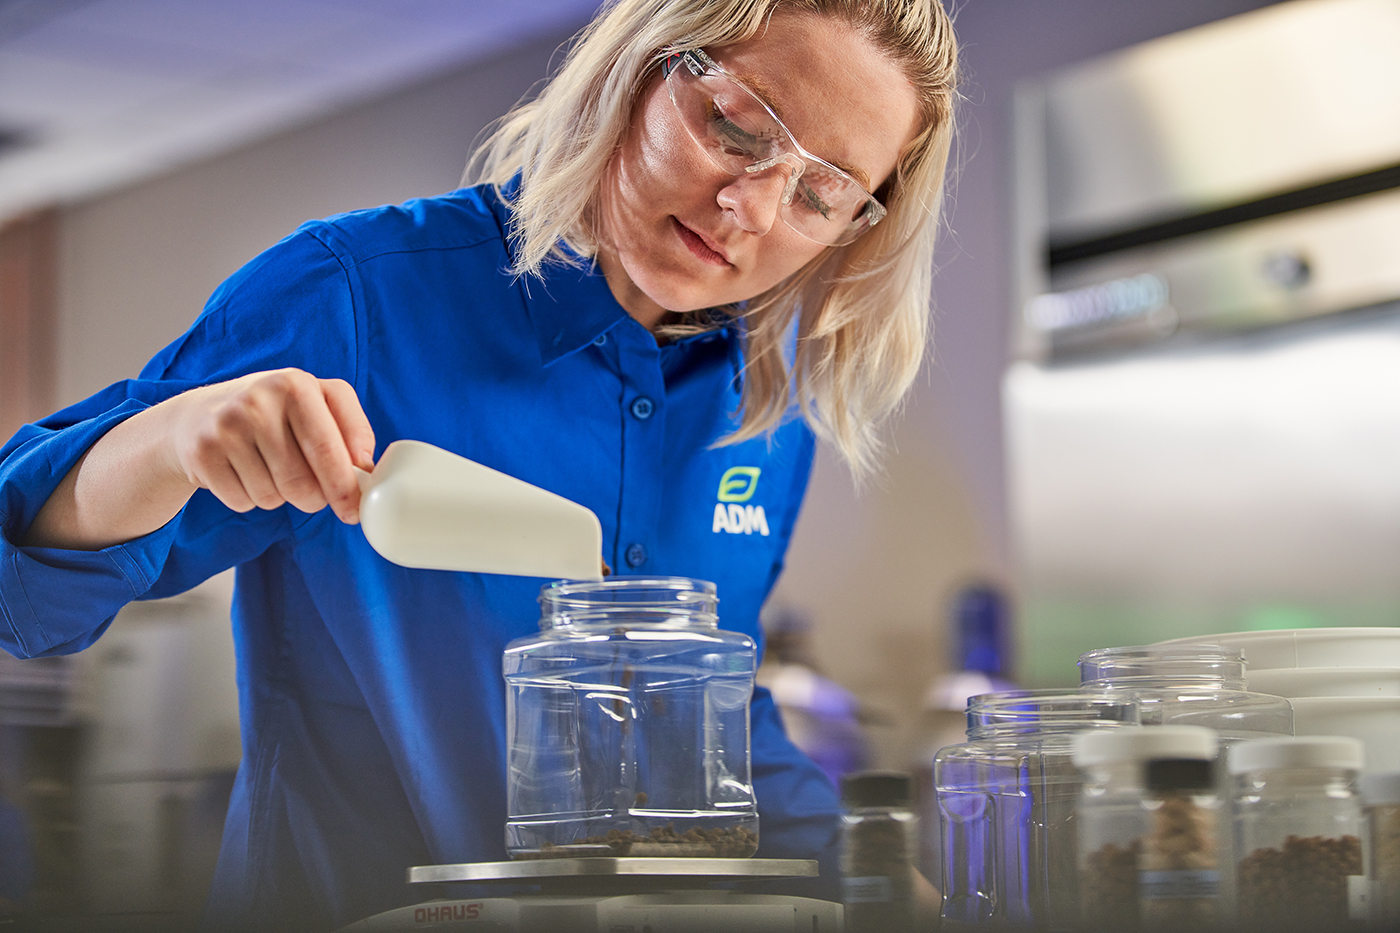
[699,246]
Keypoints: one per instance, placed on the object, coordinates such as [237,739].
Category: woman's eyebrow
[765,94]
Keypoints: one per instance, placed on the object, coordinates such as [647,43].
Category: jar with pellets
[1300,834]
[1178,870]
[627,725]
[1141,837]
[1381,794]
[879,842]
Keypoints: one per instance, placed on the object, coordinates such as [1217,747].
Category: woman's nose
[756,199]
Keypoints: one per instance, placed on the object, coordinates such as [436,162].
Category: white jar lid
[1142,743]
[1382,787]
[1304,751]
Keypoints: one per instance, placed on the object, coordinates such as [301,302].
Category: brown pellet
[1108,887]
[662,842]
[1301,886]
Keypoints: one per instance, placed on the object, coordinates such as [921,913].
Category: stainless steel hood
[1242,173]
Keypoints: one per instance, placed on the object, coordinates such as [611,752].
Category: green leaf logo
[738,484]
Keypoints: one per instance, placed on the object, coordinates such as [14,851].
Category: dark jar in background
[879,844]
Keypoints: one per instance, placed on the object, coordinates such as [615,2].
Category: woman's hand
[258,441]
[271,438]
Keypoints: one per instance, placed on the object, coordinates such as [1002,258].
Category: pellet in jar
[1301,886]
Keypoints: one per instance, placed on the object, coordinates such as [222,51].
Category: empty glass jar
[1007,800]
[628,725]
[1189,685]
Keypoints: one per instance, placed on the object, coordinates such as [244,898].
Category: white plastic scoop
[428,508]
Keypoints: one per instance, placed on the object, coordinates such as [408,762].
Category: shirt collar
[570,306]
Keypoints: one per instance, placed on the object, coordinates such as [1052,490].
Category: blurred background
[1161,403]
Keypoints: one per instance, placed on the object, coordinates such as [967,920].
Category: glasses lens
[734,128]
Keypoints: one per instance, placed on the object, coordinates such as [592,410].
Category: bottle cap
[1304,751]
[1140,743]
[1164,775]
[877,789]
[1382,787]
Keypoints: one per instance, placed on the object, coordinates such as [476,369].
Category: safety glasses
[742,135]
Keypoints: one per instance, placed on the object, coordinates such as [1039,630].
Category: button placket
[643,442]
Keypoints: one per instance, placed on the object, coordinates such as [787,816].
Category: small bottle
[1299,833]
[879,842]
[1116,817]
[1381,794]
[1179,869]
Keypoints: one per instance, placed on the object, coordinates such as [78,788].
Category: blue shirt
[371,695]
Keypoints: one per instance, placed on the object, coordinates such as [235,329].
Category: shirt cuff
[55,600]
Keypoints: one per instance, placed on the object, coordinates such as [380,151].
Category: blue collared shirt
[371,696]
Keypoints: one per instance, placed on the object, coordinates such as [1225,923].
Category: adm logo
[732,513]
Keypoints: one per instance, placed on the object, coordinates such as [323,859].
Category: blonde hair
[862,310]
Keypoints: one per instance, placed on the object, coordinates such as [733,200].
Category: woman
[715,214]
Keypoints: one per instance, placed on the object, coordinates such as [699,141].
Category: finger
[220,478]
[319,440]
[259,444]
[267,476]
[355,428]
[292,478]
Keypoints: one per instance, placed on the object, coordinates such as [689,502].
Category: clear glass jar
[1299,833]
[1007,799]
[1381,794]
[1122,816]
[879,843]
[1189,685]
[627,725]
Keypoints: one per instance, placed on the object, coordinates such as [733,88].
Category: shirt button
[599,340]
[636,555]
[642,407]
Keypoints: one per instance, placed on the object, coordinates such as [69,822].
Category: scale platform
[661,873]
[609,894]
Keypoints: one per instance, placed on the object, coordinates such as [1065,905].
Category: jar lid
[1304,751]
[1141,743]
[1165,775]
[877,789]
[1382,787]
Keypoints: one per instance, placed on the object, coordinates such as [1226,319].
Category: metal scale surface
[614,895]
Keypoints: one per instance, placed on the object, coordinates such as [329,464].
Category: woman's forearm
[124,487]
[259,441]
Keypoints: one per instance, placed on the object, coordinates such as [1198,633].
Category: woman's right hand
[258,441]
[271,438]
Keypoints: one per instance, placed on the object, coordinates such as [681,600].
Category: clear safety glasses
[741,134]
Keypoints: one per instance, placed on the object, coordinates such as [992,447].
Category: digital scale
[615,895]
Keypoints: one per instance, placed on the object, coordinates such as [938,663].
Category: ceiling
[99,93]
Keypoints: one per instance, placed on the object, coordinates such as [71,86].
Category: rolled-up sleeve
[293,306]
